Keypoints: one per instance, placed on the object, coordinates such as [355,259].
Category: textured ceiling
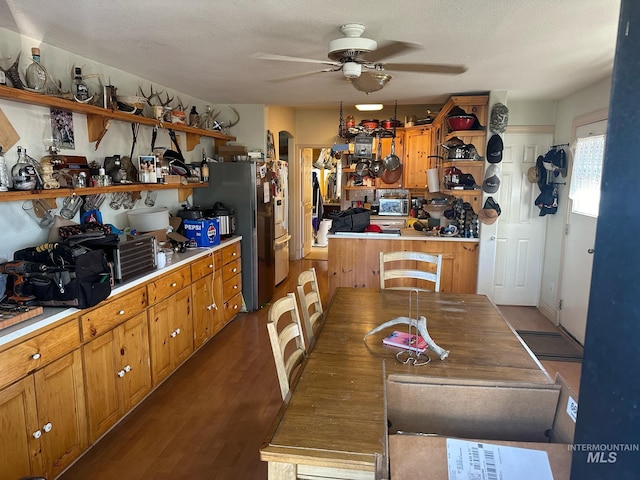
[533,50]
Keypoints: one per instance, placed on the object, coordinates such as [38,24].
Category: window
[586,174]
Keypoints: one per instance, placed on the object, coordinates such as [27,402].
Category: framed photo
[62,128]
[363,147]
[147,169]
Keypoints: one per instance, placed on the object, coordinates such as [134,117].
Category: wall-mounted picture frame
[62,128]
[147,169]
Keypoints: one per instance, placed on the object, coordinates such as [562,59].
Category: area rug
[552,346]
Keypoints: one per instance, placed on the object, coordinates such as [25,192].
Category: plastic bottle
[80,89]
[36,75]
[5,178]
[24,174]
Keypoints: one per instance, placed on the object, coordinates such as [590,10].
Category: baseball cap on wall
[494,149]
[490,212]
[491,180]
[499,118]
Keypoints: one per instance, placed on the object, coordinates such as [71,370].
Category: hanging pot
[392,161]
[462,152]
[377,166]
[362,168]
[391,176]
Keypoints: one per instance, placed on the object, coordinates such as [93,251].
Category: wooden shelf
[97,117]
[361,188]
[183,191]
[463,163]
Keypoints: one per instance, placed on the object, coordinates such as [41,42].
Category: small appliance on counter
[226,218]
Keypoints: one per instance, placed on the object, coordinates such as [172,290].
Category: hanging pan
[391,162]
[175,158]
[392,176]
[377,166]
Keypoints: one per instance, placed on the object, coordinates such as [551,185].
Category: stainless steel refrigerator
[246,186]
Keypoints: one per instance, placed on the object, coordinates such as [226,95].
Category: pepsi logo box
[205,231]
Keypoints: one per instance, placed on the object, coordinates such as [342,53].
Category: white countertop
[53,314]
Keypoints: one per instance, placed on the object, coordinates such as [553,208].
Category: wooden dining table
[334,424]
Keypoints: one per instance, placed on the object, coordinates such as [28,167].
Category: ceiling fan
[359,60]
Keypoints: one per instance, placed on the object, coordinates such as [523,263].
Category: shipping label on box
[205,231]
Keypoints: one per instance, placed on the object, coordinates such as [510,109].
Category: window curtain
[586,174]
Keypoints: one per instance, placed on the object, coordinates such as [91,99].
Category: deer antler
[166,102]
[232,124]
[151,96]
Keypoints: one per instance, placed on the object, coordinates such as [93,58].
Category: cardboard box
[423,412]
[229,153]
[205,231]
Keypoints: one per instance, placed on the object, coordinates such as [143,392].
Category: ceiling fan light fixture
[351,69]
[370,82]
[369,107]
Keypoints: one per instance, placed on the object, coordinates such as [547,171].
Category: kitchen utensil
[70,206]
[362,168]
[148,219]
[391,123]
[461,152]
[371,124]
[377,166]
[392,176]
[392,161]
[460,122]
[39,212]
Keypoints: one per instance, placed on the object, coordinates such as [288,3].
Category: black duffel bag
[72,275]
[350,220]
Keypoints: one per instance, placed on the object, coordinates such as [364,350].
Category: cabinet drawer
[231,269]
[168,285]
[230,252]
[232,287]
[116,311]
[232,307]
[202,267]
[18,361]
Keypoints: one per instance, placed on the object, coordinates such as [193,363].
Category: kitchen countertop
[405,234]
[53,314]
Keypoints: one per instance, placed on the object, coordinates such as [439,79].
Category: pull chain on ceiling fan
[359,59]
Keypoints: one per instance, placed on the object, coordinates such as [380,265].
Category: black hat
[547,201]
[490,212]
[494,149]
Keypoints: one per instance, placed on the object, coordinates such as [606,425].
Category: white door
[577,261]
[521,231]
[307,200]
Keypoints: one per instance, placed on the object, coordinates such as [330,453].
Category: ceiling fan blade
[425,68]
[286,58]
[300,75]
[391,49]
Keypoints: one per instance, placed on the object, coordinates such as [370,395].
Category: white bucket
[323,229]
[148,219]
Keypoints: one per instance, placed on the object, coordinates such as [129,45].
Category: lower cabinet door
[61,412]
[20,435]
[170,333]
[203,309]
[132,358]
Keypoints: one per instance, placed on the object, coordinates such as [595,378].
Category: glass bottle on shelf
[23,173]
[36,75]
[204,167]
[80,89]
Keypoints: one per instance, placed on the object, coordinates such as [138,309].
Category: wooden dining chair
[390,269]
[310,302]
[287,340]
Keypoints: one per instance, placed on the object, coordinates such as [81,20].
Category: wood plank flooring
[209,419]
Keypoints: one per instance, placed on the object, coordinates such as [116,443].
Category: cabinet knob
[235,307]
[233,254]
[121,373]
[35,356]
[174,284]
[177,331]
[235,287]
[127,368]
[47,427]
[234,270]
[121,312]
[210,265]
[37,434]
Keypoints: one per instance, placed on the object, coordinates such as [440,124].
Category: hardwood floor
[209,419]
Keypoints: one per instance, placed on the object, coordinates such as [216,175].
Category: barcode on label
[475,458]
[490,461]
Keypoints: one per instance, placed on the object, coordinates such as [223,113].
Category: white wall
[585,101]
[16,229]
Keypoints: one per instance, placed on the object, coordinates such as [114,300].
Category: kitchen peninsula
[353,258]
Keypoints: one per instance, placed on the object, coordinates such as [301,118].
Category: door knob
[590,251]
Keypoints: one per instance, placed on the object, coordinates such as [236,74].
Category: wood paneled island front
[354,258]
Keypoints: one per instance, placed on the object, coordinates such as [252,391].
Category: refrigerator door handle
[283,239]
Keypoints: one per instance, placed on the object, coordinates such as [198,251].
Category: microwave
[394,206]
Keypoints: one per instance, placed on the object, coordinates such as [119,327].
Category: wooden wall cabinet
[43,416]
[417,149]
[231,282]
[118,373]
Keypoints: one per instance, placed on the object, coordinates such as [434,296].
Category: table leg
[282,471]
